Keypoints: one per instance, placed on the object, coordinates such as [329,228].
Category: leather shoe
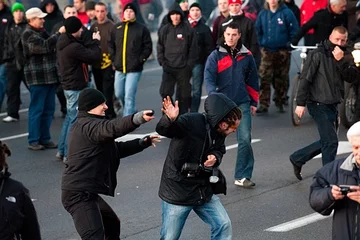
[297,170]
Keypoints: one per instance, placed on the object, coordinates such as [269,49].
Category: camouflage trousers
[274,69]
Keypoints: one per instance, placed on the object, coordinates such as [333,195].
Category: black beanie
[195,5]
[72,24]
[131,6]
[90,98]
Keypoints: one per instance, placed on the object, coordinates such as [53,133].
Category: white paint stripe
[14,137]
[236,145]
[20,111]
[297,223]
[151,69]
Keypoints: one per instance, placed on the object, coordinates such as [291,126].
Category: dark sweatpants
[180,78]
[94,219]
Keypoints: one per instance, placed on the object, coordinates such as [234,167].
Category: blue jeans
[72,97]
[197,81]
[3,83]
[41,113]
[326,118]
[245,156]
[125,90]
[212,213]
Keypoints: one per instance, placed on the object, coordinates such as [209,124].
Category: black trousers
[104,80]
[180,78]
[15,77]
[94,219]
[61,97]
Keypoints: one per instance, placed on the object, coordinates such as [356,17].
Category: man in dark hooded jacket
[177,53]
[197,140]
[54,14]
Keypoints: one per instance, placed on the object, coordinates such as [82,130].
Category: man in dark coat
[328,194]
[196,140]
[54,14]
[93,161]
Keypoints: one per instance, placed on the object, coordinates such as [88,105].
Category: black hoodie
[52,18]
[5,18]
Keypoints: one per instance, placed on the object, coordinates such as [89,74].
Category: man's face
[338,38]
[99,110]
[184,6]
[78,33]
[195,13]
[225,129]
[70,12]
[1,5]
[223,5]
[49,8]
[355,143]
[100,12]
[235,8]
[339,8]
[273,3]
[78,4]
[175,19]
[129,14]
[232,37]
[18,15]
[37,22]
[91,13]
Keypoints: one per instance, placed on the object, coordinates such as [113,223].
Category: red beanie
[235,1]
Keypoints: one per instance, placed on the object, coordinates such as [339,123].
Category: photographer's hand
[171,111]
[355,194]
[211,160]
[336,193]
[150,140]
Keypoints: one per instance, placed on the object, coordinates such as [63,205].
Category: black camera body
[345,189]
[191,169]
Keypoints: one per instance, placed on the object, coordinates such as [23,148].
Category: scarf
[193,22]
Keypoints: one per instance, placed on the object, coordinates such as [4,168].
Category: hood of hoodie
[281,5]
[175,7]
[217,106]
[56,11]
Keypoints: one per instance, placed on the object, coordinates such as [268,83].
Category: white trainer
[10,119]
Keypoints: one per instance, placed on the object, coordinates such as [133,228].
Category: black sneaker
[297,170]
[50,145]
[262,109]
[36,147]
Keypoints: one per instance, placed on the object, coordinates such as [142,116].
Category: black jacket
[132,40]
[13,50]
[188,135]
[338,172]
[177,45]
[323,22]
[53,18]
[5,18]
[94,156]
[204,39]
[322,78]
[17,213]
[73,58]
[295,9]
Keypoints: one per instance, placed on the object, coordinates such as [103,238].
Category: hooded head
[175,9]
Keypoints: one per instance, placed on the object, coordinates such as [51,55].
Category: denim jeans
[326,118]
[245,156]
[212,213]
[197,81]
[72,97]
[125,90]
[3,83]
[41,113]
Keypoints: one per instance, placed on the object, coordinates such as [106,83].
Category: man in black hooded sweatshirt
[177,53]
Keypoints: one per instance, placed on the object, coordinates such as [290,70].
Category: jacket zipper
[124,46]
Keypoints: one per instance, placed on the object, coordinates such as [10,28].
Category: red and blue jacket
[236,77]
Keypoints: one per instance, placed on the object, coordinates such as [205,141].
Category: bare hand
[338,53]
[62,30]
[96,36]
[336,193]
[146,117]
[253,110]
[154,139]
[211,160]
[355,196]
[300,111]
[171,111]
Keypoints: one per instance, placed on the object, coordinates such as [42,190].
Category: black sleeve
[312,23]
[30,229]
[167,128]
[146,45]
[160,45]
[112,44]
[193,49]
[6,54]
[347,69]
[129,147]
[208,42]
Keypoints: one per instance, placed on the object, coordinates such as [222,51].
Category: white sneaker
[10,119]
[244,182]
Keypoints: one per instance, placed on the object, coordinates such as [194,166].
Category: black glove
[138,118]
[145,141]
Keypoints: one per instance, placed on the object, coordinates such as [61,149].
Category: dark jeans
[180,78]
[93,217]
[104,80]
[15,77]
[326,118]
[197,82]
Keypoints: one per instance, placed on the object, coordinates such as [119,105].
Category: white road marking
[297,223]
[151,69]
[236,145]
[20,111]
[14,137]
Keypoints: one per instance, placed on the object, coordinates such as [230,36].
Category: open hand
[171,111]
[211,160]
[154,139]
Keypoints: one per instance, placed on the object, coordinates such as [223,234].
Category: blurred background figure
[54,15]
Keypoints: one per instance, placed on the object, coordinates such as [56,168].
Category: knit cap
[72,24]
[130,6]
[90,98]
[195,4]
[17,6]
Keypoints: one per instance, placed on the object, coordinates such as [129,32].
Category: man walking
[231,69]
[42,76]
[177,52]
[321,90]
[73,58]
[130,47]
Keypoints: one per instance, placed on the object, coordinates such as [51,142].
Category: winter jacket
[237,77]
[322,78]
[94,155]
[5,18]
[216,26]
[13,49]
[189,137]
[275,30]
[53,18]
[308,8]
[18,218]
[295,10]
[338,172]
[40,56]
[204,41]
[73,59]
[323,22]
[177,45]
[130,46]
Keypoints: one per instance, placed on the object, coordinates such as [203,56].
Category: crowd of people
[245,52]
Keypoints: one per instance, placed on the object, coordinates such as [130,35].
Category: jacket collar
[83,114]
[243,50]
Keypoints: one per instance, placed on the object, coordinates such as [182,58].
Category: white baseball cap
[35,13]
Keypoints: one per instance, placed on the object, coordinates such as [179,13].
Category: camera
[345,189]
[190,169]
